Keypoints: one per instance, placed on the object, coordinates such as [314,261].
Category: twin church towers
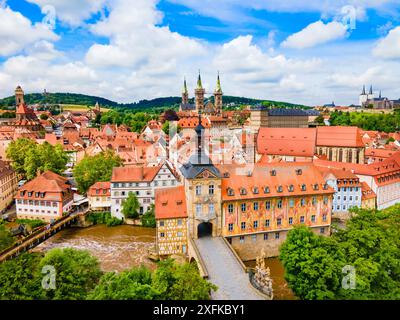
[200,105]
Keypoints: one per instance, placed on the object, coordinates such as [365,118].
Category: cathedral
[200,105]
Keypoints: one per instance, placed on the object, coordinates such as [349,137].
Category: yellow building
[99,196]
[171,216]
[8,185]
[368,199]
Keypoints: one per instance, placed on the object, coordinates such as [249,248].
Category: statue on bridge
[262,277]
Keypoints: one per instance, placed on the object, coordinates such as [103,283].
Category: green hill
[158,103]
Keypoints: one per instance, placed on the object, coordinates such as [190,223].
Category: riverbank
[117,248]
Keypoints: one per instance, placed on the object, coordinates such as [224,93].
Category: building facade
[171,217]
[99,196]
[8,186]
[47,198]
[142,181]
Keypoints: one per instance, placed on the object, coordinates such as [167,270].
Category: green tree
[130,206]
[165,127]
[128,285]
[148,219]
[180,282]
[18,279]
[28,158]
[44,116]
[94,169]
[6,238]
[77,273]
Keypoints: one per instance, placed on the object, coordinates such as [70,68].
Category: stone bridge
[219,263]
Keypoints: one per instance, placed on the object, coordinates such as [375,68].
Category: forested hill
[85,100]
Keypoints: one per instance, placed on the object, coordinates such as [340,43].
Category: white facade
[42,210]
[144,191]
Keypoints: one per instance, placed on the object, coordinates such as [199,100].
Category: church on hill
[200,105]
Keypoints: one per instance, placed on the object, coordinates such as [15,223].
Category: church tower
[19,96]
[363,97]
[218,97]
[185,93]
[199,95]
[370,94]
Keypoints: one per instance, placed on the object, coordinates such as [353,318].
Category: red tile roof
[339,137]
[286,141]
[170,203]
[98,189]
[367,192]
[235,178]
[134,174]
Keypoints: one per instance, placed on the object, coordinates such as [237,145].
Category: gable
[205,174]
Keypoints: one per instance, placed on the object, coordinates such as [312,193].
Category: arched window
[350,155]
[340,155]
[330,154]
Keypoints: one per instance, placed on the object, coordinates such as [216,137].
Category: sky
[300,51]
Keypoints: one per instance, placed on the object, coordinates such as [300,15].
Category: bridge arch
[204,229]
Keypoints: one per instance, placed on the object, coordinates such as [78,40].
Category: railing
[43,233]
[235,254]
[199,259]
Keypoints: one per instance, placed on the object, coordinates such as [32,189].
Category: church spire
[218,89]
[363,91]
[199,84]
[380,94]
[185,89]
[370,90]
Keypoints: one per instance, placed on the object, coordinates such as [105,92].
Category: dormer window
[42,195]
[255,190]
[273,173]
[291,188]
[325,187]
[266,190]
[299,172]
[279,189]
[316,187]
[230,192]
[29,194]
[22,193]
[243,191]
[226,174]
[303,187]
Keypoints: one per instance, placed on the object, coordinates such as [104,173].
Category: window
[255,224]
[276,235]
[230,192]
[279,204]
[279,189]
[267,223]
[303,187]
[268,205]
[301,219]
[198,190]
[230,227]
[314,201]
[161,223]
[254,237]
[230,208]
[243,191]
[324,217]
[273,173]
[344,207]
[243,207]
[303,202]
[162,235]
[322,230]
[255,190]
[211,208]
[198,209]
[325,200]
[266,190]
[243,225]
[265,236]
[179,234]
[211,189]
[255,206]
[179,222]
[291,188]
[290,220]
[279,221]
[291,203]
[313,218]
[241,239]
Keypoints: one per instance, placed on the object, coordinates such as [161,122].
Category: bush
[148,219]
[32,223]
[104,218]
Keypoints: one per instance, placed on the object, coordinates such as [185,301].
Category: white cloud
[72,12]
[314,34]
[17,32]
[389,46]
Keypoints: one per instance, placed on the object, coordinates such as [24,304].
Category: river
[123,247]
[117,248]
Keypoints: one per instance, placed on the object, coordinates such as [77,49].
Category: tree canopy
[130,206]
[315,266]
[28,158]
[95,169]
[6,238]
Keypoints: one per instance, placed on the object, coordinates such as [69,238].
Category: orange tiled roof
[134,174]
[286,141]
[170,203]
[272,177]
[339,137]
[367,192]
[98,189]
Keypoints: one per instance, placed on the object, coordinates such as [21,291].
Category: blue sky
[126,50]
